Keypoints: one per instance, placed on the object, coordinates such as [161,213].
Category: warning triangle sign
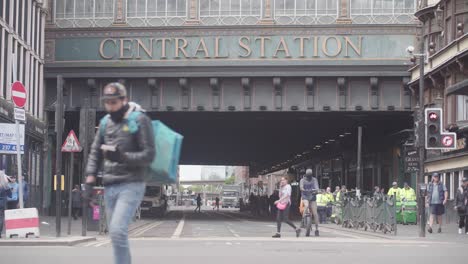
[71,143]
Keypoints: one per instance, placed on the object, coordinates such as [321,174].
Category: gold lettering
[282,46]
[101,49]
[181,48]
[141,45]
[163,46]
[245,46]
[217,41]
[325,47]
[348,43]
[201,48]
[262,45]
[124,48]
[301,45]
[316,47]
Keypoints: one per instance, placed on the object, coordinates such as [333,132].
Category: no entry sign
[18,94]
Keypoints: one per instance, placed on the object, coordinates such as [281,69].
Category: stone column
[267,13]
[192,17]
[344,12]
[120,14]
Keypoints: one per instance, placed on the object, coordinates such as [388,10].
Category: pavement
[229,236]
[48,235]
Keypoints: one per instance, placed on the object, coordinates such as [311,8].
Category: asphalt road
[227,237]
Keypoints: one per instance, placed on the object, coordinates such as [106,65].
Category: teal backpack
[168,144]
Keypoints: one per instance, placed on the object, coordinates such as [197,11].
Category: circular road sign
[18,94]
[447,141]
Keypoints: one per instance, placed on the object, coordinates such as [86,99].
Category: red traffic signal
[433,116]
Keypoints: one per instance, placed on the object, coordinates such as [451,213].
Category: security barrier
[376,213]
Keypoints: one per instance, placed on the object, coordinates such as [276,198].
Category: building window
[226,12]
[84,13]
[462,108]
[156,12]
[383,11]
[306,11]
[157,8]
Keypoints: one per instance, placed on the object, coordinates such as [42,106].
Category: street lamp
[420,137]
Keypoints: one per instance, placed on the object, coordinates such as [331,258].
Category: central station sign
[233,48]
[241,47]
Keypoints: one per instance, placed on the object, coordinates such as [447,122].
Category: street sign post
[71,145]
[20,114]
[411,159]
[18,94]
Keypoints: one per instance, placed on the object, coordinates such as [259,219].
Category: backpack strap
[132,123]
[102,127]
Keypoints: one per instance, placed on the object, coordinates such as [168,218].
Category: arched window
[305,11]
[230,12]
[382,11]
[84,13]
[156,12]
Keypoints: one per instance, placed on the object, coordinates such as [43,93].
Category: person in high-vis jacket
[395,191]
[407,194]
[322,202]
[125,156]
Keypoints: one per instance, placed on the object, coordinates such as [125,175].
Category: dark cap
[114,91]
[435,174]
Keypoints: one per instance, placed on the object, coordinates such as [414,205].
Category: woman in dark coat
[462,206]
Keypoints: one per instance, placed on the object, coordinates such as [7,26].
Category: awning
[460,88]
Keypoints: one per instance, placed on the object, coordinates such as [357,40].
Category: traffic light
[435,137]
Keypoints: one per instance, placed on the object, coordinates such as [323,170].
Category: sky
[194,172]
[190,172]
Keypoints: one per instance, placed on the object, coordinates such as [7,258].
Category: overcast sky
[190,172]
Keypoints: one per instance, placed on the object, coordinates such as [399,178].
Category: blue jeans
[122,201]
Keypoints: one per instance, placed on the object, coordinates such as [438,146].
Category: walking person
[126,148]
[283,205]
[461,205]
[437,196]
[216,203]
[13,200]
[76,201]
[5,192]
[199,203]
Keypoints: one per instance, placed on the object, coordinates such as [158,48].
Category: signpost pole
[421,146]
[58,154]
[19,163]
[70,186]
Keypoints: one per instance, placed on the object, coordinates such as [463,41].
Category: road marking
[232,231]
[180,228]
[144,230]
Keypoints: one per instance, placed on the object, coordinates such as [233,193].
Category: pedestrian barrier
[376,214]
[22,223]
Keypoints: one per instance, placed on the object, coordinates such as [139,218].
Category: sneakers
[460,231]
[439,230]
[316,233]
[277,235]
[298,232]
[429,230]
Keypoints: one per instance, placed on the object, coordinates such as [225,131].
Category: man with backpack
[125,145]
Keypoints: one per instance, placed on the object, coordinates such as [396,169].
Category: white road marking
[180,228]
[232,231]
[144,230]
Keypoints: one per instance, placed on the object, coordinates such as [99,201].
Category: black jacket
[4,194]
[460,200]
[138,151]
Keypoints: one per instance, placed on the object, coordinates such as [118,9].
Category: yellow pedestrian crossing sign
[71,143]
